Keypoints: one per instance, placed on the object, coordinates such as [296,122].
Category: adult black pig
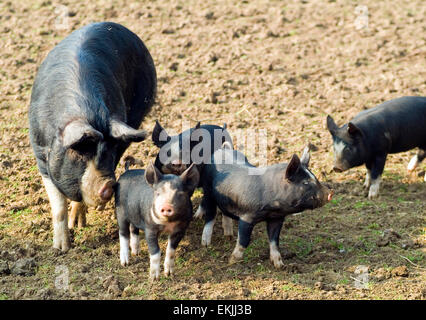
[89,97]
[394,126]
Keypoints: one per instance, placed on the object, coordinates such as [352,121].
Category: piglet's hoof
[233,259]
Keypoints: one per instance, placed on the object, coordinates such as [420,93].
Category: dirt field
[275,65]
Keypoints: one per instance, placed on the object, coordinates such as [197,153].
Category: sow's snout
[107,190]
[97,188]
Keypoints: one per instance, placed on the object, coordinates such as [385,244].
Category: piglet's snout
[107,190]
[167,210]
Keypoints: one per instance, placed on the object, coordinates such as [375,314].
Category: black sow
[89,98]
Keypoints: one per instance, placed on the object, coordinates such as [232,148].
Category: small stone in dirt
[214,96]
[174,66]
[401,271]
[85,268]
[383,242]
[319,285]
[209,15]
[23,267]
[286,254]
[7,164]
[244,292]
[213,58]
[44,293]
[382,274]
[113,286]
[127,292]
[4,267]
[19,293]
[168,31]
[391,234]
[407,244]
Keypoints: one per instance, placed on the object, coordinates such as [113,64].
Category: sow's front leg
[58,203]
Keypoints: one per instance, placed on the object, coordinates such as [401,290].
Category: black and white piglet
[195,145]
[394,126]
[155,203]
[252,195]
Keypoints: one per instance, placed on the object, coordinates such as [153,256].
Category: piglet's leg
[274,228]
[58,203]
[227,226]
[169,261]
[134,240]
[151,237]
[244,233]
[376,173]
[367,182]
[414,162]
[77,215]
[210,208]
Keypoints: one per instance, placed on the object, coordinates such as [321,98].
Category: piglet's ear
[159,135]
[292,167]
[121,131]
[152,175]
[197,126]
[79,132]
[190,177]
[306,156]
[331,125]
[353,129]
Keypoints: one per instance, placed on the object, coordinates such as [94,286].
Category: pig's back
[99,62]
[402,121]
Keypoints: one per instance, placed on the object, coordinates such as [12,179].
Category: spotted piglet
[155,203]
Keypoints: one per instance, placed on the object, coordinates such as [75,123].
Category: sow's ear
[152,175]
[292,167]
[353,129]
[306,156]
[331,125]
[159,135]
[121,131]
[190,177]
[78,133]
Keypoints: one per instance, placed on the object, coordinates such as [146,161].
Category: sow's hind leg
[58,203]
[77,215]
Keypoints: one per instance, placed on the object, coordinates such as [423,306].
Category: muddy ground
[274,65]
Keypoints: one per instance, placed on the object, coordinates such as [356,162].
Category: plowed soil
[274,65]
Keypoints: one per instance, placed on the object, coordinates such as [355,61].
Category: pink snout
[107,191]
[167,210]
